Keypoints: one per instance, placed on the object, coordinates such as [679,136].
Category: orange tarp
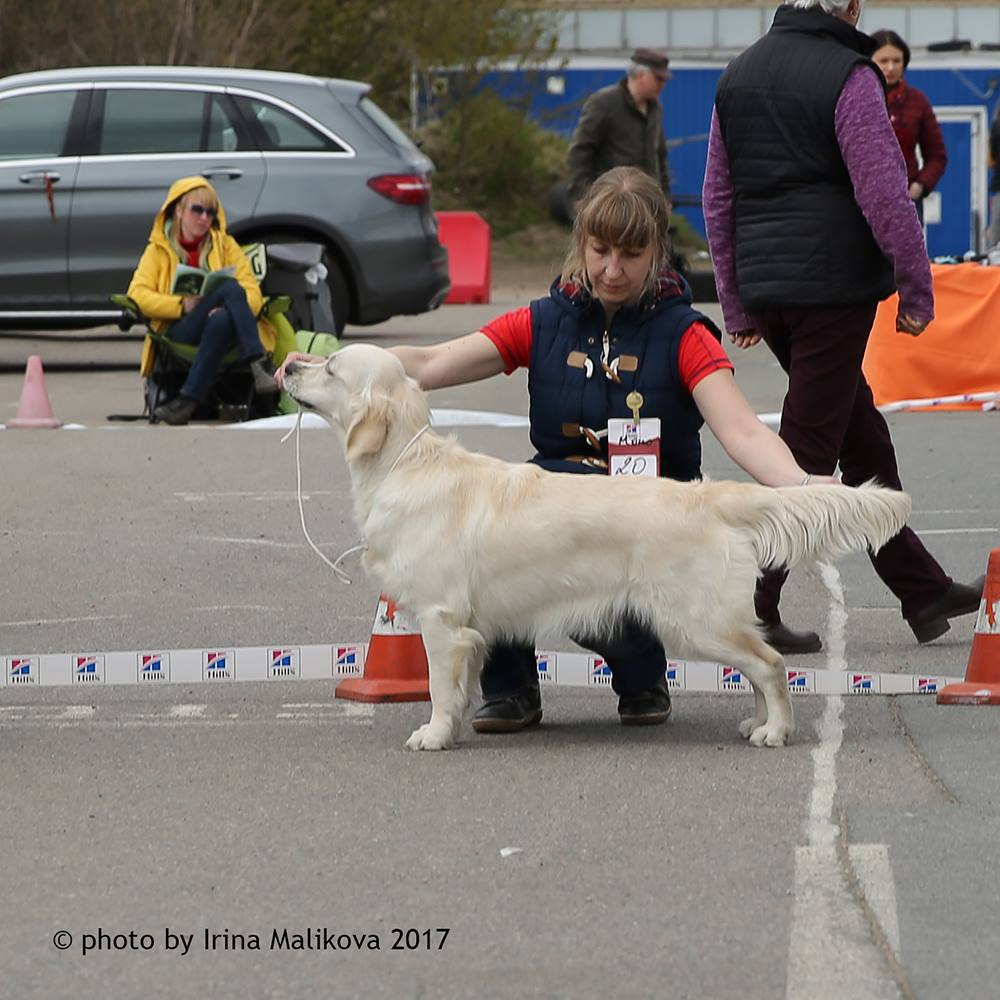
[958,353]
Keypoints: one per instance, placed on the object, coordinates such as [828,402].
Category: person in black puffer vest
[618,321]
[811,224]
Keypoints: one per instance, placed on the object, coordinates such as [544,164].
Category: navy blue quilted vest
[568,388]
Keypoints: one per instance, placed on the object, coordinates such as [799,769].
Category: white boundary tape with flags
[222,665]
[987,401]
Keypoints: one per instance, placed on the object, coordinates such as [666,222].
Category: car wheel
[340,295]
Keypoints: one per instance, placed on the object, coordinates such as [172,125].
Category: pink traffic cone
[34,409]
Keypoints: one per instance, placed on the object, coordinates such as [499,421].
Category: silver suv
[86,156]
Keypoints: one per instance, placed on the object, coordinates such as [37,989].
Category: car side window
[33,126]
[277,129]
[151,121]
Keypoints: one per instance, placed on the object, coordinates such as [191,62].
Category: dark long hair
[889,37]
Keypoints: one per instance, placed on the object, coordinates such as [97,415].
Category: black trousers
[829,416]
[635,655]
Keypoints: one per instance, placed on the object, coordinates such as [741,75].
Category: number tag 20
[634,448]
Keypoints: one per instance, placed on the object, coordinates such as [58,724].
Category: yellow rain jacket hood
[154,276]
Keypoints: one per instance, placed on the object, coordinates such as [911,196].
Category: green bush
[492,159]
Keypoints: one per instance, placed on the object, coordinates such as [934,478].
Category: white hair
[830,6]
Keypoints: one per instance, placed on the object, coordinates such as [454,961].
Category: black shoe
[263,376]
[177,412]
[958,599]
[509,715]
[649,708]
[788,642]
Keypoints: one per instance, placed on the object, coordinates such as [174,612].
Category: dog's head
[365,393]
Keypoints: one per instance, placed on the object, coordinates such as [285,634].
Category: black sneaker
[788,641]
[263,376]
[649,708]
[509,715]
[959,599]
[177,412]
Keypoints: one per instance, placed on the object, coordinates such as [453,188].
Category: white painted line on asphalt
[151,723]
[227,496]
[961,510]
[327,711]
[79,712]
[831,953]
[263,542]
[831,956]
[871,865]
[233,607]
[187,711]
[957,531]
[67,621]
[70,716]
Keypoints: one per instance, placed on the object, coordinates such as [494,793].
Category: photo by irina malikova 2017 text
[273,939]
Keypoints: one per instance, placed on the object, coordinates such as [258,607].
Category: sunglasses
[202,210]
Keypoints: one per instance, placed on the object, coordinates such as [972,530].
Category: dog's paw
[770,736]
[749,726]
[428,738]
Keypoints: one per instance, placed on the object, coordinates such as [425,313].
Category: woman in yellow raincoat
[190,229]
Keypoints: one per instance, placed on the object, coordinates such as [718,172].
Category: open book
[194,281]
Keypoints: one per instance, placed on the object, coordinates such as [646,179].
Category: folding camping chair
[233,397]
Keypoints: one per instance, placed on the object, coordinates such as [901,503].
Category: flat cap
[654,59]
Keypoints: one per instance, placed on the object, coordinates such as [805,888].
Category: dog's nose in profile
[292,367]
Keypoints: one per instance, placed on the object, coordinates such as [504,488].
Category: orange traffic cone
[396,664]
[982,676]
[34,409]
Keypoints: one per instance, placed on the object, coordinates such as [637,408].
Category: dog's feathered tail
[792,523]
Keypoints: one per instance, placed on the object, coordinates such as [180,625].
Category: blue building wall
[688,100]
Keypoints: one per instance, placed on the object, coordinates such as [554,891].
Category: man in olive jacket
[622,126]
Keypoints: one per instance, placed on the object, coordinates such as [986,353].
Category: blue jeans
[215,336]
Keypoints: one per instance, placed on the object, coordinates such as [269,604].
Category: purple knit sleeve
[878,173]
[717,204]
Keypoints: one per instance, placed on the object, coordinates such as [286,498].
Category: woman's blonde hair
[624,207]
[206,197]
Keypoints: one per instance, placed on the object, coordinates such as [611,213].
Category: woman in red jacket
[912,118]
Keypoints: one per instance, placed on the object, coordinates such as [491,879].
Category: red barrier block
[467,237]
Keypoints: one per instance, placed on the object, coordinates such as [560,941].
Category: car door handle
[39,176]
[233,173]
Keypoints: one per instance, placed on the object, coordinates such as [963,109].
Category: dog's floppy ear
[368,429]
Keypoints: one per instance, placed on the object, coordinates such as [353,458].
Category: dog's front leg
[451,653]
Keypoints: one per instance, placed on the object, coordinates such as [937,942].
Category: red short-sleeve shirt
[700,353]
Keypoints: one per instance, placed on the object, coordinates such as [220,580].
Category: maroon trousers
[829,416]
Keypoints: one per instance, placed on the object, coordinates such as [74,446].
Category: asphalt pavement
[264,840]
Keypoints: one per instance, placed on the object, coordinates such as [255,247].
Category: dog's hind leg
[771,688]
[454,653]
[759,717]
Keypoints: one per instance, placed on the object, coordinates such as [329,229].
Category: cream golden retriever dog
[477,548]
